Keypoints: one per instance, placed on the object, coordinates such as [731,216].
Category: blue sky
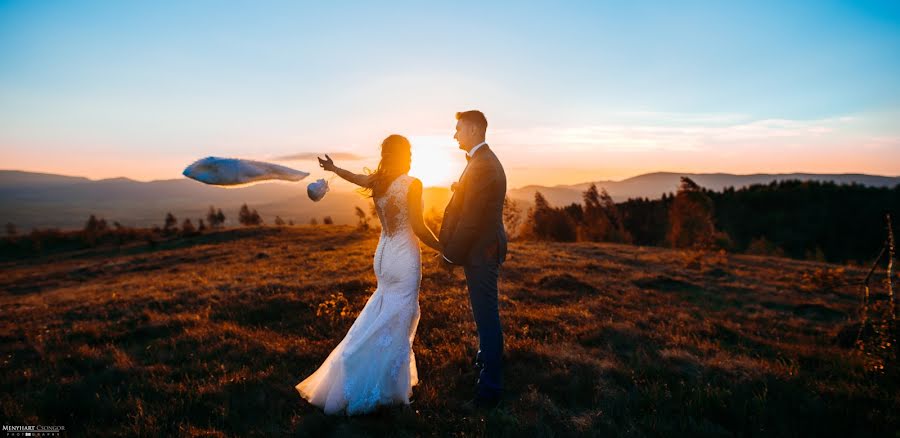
[573,91]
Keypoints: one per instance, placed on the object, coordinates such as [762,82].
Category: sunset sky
[577,92]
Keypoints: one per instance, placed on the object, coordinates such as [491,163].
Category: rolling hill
[207,336]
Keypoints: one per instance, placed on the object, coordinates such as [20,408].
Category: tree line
[97,231]
[815,220]
[801,219]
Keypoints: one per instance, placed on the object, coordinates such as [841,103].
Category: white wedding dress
[374,364]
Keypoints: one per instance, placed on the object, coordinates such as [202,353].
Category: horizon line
[514,188]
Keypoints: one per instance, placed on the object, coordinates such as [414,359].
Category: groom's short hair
[474,117]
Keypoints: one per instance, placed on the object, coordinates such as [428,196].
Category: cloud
[680,118]
[300,156]
[683,133]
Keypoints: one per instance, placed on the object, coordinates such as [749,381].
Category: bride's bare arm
[360,180]
[416,218]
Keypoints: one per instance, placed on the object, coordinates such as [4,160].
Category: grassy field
[208,336]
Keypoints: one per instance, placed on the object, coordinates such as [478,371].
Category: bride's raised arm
[360,180]
[416,218]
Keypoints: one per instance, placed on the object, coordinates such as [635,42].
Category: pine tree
[596,226]
[249,218]
[212,217]
[244,215]
[171,224]
[95,225]
[691,217]
[551,223]
[187,228]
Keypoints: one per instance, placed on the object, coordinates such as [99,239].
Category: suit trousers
[481,281]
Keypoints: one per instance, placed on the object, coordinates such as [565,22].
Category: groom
[472,235]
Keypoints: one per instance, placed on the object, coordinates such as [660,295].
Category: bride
[374,364]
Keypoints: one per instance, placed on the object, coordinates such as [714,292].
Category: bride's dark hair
[396,157]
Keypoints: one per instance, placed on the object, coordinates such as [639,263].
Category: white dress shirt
[471,152]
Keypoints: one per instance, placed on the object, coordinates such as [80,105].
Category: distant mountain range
[45,200]
[29,199]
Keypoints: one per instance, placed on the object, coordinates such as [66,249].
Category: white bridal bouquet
[316,190]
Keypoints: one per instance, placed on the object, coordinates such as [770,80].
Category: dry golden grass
[208,336]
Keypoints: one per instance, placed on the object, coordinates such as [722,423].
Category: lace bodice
[392,207]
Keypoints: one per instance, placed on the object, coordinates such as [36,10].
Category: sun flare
[436,160]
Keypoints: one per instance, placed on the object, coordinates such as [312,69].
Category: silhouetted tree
[602,220]
[249,218]
[170,224]
[95,225]
[596,226]
[645,220]
[94,228]
[11,229]
[187,228]
[291,222]
[691,217]
[363,220]
[279,221]
[551,223]
[574,212]
[313,221]
[327,220]
[215,219]
[201,226]
[244,215]
[512,217]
